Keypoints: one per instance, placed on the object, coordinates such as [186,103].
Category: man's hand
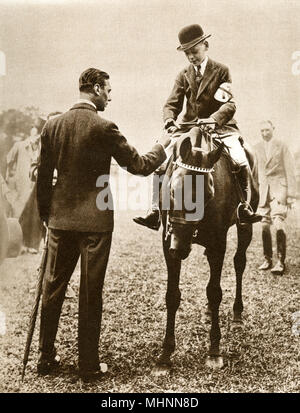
[171,126]
[164,140]
[210,122]
[45,220]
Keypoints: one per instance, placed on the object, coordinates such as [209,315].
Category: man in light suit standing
[277,192]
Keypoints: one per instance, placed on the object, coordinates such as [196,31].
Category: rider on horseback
[206,85]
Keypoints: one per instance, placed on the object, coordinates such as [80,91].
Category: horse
[195,156]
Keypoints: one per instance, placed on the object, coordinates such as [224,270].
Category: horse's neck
[169,167]
[224,181]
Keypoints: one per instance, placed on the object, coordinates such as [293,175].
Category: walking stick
[35,308]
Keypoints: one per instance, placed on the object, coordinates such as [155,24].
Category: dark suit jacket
[80,145]
[200,102]
[276,173]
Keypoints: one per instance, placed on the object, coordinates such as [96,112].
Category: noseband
[193,168]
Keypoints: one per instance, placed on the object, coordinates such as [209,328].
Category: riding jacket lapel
[262,150]
[207,76]
[191,78]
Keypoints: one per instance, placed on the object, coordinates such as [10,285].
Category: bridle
[191,167]
[177,162]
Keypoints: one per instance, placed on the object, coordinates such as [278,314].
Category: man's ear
[97,89]
[185,148]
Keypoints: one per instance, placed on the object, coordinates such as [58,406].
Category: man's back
[80,144]
[81,149]
[77,146]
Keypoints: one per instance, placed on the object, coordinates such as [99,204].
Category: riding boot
[152,219]
[245,212]
[279,267]
[267,248]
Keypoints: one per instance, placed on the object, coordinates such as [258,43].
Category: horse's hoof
[214,362]
[237,325]
[161,370]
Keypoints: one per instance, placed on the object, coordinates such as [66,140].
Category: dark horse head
[191,187]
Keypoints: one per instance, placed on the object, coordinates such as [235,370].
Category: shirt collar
[203,66]
[86,101]
[267,142]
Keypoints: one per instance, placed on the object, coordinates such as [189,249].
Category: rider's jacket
[201,101]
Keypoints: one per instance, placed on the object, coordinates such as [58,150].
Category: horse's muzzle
[181,241]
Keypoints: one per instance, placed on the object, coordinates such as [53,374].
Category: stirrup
[241,204]
[244,203]
[250,216]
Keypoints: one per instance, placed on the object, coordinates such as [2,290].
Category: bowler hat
[191,35]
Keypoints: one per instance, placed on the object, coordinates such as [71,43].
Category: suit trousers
[273,212]
[64,249]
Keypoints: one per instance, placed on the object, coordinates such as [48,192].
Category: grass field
[264,357]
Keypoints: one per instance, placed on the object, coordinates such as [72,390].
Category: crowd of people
[19,187]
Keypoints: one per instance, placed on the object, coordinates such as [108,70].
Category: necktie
[198,75]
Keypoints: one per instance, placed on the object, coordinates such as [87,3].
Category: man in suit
[19,161]
[277,192]
[79,144]
[205,86]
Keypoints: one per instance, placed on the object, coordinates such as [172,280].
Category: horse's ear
[215,154]
[185,148]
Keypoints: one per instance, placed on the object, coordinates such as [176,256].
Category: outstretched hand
[164,140]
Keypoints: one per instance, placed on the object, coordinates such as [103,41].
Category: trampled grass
[264,357]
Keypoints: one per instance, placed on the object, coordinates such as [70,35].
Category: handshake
[171,127]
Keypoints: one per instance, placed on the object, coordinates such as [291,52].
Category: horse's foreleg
[244,238]
[173,296]
[214,295]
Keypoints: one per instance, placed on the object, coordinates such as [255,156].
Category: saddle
[235,167]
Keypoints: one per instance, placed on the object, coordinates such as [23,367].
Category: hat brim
[186,46]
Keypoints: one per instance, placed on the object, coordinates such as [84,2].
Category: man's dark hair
[90,77]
